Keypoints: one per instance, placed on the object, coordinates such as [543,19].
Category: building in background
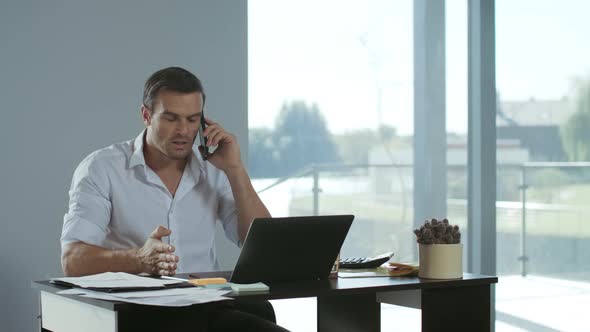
[535,124]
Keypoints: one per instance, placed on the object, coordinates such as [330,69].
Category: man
[151,204]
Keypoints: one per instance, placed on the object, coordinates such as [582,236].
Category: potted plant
[440,250]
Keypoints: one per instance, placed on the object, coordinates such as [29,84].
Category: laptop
[291,249]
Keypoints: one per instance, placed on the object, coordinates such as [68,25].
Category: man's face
[173,123]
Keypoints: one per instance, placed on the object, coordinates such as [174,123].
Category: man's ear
[146,116]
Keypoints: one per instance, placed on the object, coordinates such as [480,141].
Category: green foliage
[263,157]
[300,138]
[575,132]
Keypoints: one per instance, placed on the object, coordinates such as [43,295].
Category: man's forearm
[79,259]
[248,204]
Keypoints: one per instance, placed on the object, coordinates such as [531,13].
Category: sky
[354,59]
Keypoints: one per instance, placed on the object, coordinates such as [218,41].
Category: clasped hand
[157,257]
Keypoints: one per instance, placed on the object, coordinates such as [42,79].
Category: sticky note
[207,281]
[255,287]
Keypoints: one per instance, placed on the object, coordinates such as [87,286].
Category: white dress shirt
[116,201]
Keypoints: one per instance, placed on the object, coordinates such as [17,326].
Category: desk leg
[349,313]
[456,309]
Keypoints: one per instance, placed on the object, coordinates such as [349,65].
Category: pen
[173,278]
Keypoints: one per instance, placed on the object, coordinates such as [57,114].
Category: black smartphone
[204,149]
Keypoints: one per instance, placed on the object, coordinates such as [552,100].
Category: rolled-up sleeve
[89,211]
[227,212]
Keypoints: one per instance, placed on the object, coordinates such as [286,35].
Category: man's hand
[156,257]
[227,154]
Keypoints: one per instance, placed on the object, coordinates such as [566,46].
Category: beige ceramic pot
[441,261]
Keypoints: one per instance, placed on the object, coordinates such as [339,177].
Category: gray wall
[71,77]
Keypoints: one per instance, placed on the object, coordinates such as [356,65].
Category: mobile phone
[204,149]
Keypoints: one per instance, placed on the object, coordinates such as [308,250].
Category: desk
[344,304]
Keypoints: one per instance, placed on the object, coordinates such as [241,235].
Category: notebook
[291,249]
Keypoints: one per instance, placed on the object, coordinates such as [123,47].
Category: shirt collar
[196,162]
[137,157]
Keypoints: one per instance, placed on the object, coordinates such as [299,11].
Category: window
[331,97]
[543,189]
[331,112]
[331,121]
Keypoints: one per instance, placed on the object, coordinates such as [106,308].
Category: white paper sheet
[168,292]
[363,274]
[177,297]
[116,280]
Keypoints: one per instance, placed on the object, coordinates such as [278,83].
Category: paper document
[362,273]
[177,297]
[115,280]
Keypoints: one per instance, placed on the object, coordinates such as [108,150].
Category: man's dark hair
[170,79]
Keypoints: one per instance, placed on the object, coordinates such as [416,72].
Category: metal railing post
[316,190]
[523,258]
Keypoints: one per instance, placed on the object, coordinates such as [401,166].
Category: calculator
[364,262]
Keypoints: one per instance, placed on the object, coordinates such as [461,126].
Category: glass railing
[543,218]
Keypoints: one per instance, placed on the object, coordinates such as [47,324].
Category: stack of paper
[400,269]
[362,273]
[177,297]
[390,269]
[255,287]
[114,280]
[149,291]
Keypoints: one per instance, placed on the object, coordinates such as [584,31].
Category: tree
[301,138]
[263,159]
[575,132]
